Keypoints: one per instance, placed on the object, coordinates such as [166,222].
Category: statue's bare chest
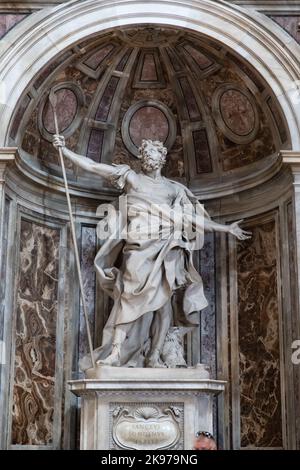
[159,190]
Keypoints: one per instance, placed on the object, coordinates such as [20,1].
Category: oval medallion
[235,113]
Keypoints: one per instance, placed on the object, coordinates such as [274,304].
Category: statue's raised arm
[87,164]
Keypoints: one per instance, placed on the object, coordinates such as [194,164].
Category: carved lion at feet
[173,349]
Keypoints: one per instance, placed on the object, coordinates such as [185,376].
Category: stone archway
[45,34]
[42,36]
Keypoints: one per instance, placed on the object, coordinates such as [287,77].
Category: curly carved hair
[154,143]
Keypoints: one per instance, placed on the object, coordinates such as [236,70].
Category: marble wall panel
[259,350]
[208,315]
[190,100]
[294,307]
[96,59]
[200,59]
[278,119]
[44,74]
[20,113]
[94,150]
[3,266]
[35,335]
[248,71]
[149,72]
[290,23]
[122,64]
[8,21]
[202,152]
[174,59]
[208,346]
[106,100]
[88,253]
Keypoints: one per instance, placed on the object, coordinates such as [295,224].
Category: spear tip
[53,99]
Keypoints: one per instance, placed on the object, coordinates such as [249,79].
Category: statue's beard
[149,164]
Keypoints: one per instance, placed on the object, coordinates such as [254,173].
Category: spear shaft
[53,101]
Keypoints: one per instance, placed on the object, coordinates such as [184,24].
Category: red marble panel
[35,335]
[66,111]
[237,112]
[294,298]
[8,21]
[3,261]
[50,68]
[122,64]
[278,119]
[190,100]
[106,99]
[19,115]
[201,60]
[175,61]
[148,122]
[149,72]
[248,71]
[88,253]
[94,150]
[208,315]
[96,59]
[202,152]
[291,23]
[258,326]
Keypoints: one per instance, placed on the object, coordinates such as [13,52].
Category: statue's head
[153,155]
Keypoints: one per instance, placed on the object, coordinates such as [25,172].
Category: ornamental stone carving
[147,426]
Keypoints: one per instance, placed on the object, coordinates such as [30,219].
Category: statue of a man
[141,271]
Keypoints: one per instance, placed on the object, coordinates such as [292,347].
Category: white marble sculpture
[141,273]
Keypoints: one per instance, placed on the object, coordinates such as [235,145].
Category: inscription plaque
[146,427]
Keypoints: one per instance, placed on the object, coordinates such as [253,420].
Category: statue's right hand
[59,141]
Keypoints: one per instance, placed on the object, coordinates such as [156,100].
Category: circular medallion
[69,101]
[148,120]
[236,113]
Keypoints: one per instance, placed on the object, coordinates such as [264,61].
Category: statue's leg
[159,329]
[119,337]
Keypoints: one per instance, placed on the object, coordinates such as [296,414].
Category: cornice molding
[272,6]
[27,6]
[291,159]
[7,157]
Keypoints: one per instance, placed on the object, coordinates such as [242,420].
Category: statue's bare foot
[154,361]
[112,360]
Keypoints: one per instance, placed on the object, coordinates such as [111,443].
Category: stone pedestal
[145,409]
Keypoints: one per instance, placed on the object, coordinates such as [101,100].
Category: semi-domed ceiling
[217,117]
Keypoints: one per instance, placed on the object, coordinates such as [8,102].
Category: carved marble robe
[141,273]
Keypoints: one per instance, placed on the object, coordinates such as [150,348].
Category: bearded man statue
[147,257]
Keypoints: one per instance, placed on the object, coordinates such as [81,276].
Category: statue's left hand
[238,232]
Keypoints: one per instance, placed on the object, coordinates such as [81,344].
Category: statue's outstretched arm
[106,171]
[234,228]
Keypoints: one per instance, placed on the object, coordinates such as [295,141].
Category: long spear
[53,102]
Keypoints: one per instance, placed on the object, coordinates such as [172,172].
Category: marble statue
[142,273]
